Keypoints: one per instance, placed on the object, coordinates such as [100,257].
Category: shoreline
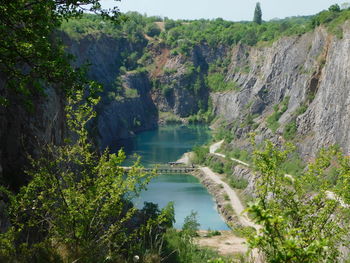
[217,193]
[214,190]
[226,207]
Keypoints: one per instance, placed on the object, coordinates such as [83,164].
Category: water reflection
[166,144]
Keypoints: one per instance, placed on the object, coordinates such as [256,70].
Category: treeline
[183,34]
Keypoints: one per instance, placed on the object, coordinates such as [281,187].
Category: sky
[233,10]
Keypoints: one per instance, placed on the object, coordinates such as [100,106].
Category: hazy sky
[234,10]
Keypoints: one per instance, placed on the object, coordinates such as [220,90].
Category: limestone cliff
[309,72]
[121,119]
[23,132]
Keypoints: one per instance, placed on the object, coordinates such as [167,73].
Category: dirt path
[234,199]
[225,244]
[214,147]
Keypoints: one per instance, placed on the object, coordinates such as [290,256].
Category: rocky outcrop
[25,131]
[182,83]
[311,70]
[121,119]
[245,173]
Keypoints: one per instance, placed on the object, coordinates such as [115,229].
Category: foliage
[216,165]
[293,165]
[179,248]
[200,154]
[240,154]
[131,93]
[30,54]
[272,120]
[244,231]
[237,183]
[297,226]
[152,30]
[169,117]
[217,83]
[78,203]
[228,166]
[257,14]
[223,133]
[213,233]
[191,225]
[290,130]
[333,18]
[334,8]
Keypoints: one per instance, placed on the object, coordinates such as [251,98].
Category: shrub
[167,91]
[79,201]
[290,130]
[200,154]
[272,120]
[131,93]
[238,183]
[152,30]
[217,166]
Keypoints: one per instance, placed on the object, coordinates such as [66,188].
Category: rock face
[24,132]
[312,70]
[120,119]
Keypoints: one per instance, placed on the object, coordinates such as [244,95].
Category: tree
[257,14]
[152,30]
[30,54]
[77,207]
[300,223]
[334,8]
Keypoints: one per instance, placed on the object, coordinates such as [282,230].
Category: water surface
[167,144]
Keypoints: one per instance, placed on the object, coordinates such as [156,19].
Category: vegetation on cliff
[77,206]
[300,220]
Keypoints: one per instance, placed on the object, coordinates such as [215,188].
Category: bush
[152,30]
[222,132]
[79,201]
[272,120]
[290,130]
[294,165]
[212,233]
[216,165]
[200,154]
[216,82]
[240,154]
[167,91]
[131,93]
[238,183]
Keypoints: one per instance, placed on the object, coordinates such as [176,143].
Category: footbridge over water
[171,168]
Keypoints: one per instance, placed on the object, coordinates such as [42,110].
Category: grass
[243,231]
[240,154]
[229,208]
[212,233]
[226,197]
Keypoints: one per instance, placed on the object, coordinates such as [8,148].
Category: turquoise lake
[165,144]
